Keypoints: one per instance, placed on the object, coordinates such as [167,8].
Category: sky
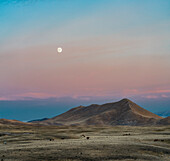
[111,49]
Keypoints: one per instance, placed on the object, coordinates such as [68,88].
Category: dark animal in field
[83,135]
[126,134]
[51,139]
[159,140]
[87,138]
[62,138]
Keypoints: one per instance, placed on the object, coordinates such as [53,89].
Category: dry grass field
[80,143]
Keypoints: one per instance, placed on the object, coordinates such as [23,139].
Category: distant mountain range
[123,112]
[163,113]
[43,119]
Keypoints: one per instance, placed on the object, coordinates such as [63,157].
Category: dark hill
[165,121]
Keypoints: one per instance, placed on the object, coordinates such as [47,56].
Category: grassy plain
[90,143]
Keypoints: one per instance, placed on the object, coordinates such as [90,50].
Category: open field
[67,143]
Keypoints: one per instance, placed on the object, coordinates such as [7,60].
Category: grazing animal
[126,134]
[83,135]
[51,139]
[87,138]
[159,140]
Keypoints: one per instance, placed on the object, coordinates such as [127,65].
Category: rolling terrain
[84,143]
[12,122]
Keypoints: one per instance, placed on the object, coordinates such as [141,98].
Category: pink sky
[105,52]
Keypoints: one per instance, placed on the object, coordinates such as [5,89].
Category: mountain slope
[164,121]
[12,122]
[123,112]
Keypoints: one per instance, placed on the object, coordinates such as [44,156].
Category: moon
[59,50]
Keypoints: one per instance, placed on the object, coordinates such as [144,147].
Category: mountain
[123,112]
[12,122]
[38,120]
[164,113]
[164,121]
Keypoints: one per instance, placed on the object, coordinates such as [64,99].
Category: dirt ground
[75,143]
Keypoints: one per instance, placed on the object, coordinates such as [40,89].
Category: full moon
[59,50]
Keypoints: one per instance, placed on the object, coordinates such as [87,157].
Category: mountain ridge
[123,112]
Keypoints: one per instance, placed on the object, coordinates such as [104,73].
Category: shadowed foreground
[66,143]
